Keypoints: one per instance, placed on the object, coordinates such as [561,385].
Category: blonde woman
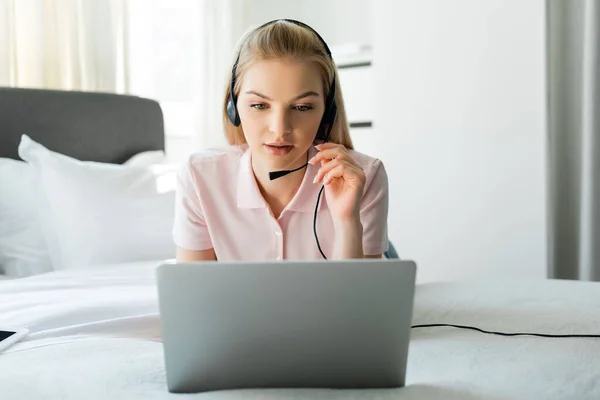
[289,186]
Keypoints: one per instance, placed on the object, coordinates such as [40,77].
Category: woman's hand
[344,181]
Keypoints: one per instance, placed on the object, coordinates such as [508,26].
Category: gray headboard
[88,126]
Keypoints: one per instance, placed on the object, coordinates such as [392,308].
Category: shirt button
[278,233]
[278,258]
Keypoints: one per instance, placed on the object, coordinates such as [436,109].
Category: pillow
[73,224]
[147,158]
[23,251]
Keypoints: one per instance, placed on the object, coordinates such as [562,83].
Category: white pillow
[97,213]
[23,251]
[147,158]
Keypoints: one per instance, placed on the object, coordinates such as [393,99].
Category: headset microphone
[278,174]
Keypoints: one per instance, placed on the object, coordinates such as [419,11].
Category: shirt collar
[305,199]
[248,193]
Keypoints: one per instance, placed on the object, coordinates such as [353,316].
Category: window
[163,44]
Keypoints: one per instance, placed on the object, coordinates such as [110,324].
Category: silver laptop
[309,324]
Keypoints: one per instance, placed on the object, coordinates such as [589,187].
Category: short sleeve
[374,210]
[189,229]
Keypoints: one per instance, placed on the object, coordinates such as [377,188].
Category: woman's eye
[258,106]
[303,108]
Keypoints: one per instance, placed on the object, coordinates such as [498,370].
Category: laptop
[292,324]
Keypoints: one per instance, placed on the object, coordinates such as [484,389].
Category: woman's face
[280,106]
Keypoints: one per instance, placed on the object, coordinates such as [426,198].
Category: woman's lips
[279,149]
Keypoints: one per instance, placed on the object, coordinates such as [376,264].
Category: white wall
[460,124]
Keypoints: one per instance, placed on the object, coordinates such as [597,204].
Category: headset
[325,126]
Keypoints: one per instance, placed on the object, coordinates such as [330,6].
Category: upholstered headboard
[88,126]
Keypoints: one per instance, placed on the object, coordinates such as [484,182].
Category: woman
[283,111]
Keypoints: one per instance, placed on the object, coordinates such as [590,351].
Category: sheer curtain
[223,23]
[63,44]
[574,138]
[176,52]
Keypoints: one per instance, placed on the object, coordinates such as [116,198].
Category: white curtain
[222,23]
[177,52]
[574,138]
[63,44]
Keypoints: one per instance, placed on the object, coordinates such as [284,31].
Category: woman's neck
[279,192]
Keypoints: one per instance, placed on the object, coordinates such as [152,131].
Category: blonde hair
[286,40]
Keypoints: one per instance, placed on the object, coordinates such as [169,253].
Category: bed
[94,321]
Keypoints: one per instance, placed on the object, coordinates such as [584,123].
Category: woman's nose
[280,123]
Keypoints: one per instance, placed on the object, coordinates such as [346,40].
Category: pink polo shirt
[219,205]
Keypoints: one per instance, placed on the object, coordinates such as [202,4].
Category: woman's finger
[329,166]
[330,154]
[325,168]
[327,145]
[342,170]
[337,172]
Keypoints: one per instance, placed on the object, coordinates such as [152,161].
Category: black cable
[315,222]
[504,333]
[329,127]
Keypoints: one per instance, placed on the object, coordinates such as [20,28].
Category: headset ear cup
[232,113]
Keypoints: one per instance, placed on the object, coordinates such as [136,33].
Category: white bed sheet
[96,335]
